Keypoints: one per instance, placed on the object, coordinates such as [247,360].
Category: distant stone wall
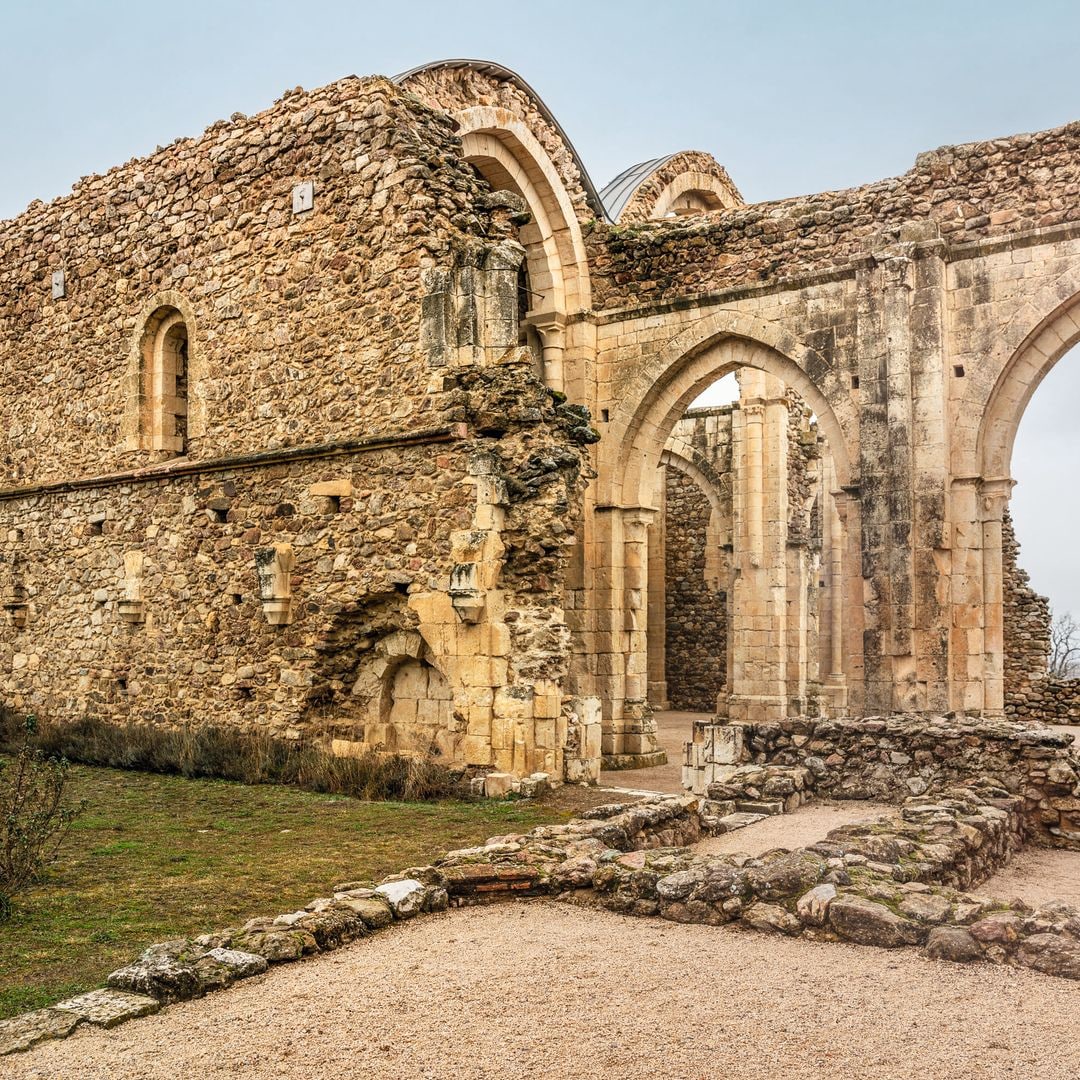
[696,619]
[1030,693]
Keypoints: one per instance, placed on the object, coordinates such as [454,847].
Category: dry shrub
[34,815]
[209,750]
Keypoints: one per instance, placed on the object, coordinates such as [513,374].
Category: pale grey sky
[793,96]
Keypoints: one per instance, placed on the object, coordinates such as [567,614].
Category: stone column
[994,496]
[757,688]
[832,568]
[630,741]
[967,641]
[657,603]
[551,326]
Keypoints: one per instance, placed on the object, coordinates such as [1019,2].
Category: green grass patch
[158,856]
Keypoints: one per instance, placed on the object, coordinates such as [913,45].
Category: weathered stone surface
[953,943]
[107,1008]
[926,908]
[868,923]
[1052,954]
[374,911]
[22,1032]
[180,969]
[762,916]
[277,946]
[1003,928]
[813,906]
[406,898]
[165,971]
[333,926]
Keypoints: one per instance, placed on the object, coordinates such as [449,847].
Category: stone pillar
[832,569]
[657,603]
[758,682]
[551,326]
[994,501]
[800,629]
[630,740]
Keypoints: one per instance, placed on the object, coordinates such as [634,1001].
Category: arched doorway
[766,649]
[983,600]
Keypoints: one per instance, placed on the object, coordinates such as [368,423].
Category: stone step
[737,820]
[766,809]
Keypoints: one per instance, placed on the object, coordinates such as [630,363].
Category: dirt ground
[807,825]
[546,989]
[672,730]
[1037,875]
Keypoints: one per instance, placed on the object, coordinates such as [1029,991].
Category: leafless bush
[1064,646]
[34,816]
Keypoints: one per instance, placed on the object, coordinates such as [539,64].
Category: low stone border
[895,882]
[892,757]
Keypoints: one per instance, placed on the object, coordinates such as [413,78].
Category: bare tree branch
[1064,646]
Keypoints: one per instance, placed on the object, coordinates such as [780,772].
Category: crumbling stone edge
[897,881]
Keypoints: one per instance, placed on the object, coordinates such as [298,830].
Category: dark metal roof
[504,74]
[619,192]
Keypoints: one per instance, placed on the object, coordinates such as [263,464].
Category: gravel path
[807,825]
[672,730]
[545,989]
[1037,875]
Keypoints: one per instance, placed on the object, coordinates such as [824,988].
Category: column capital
[994,494]
[638,517]
[548,324]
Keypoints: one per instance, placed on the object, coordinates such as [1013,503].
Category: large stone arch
[514,141]
[720,343]
[508,154]
[1031,362]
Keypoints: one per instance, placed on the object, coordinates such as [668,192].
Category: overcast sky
[793,97]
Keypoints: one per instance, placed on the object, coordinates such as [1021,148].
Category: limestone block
[107,1008]
[514,702]
[497,785]
[22,1032]
[406,898]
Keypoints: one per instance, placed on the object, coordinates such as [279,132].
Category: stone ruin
[363,421]
[967,794]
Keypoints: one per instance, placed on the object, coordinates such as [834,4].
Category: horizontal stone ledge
[180,467]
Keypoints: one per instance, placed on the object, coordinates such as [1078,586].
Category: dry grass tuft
[209,750]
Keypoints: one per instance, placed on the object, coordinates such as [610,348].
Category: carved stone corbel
[274,565]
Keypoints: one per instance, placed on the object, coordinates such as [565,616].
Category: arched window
[164,383]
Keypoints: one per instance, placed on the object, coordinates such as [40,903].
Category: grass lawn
[155,857]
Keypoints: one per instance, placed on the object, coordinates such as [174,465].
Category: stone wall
[696,617]
[1026,619]
[297,322]
[893,758]
[1030,692]
[368,491]
[968,192]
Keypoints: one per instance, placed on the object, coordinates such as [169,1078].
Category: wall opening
[1041,579]
[164,383]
